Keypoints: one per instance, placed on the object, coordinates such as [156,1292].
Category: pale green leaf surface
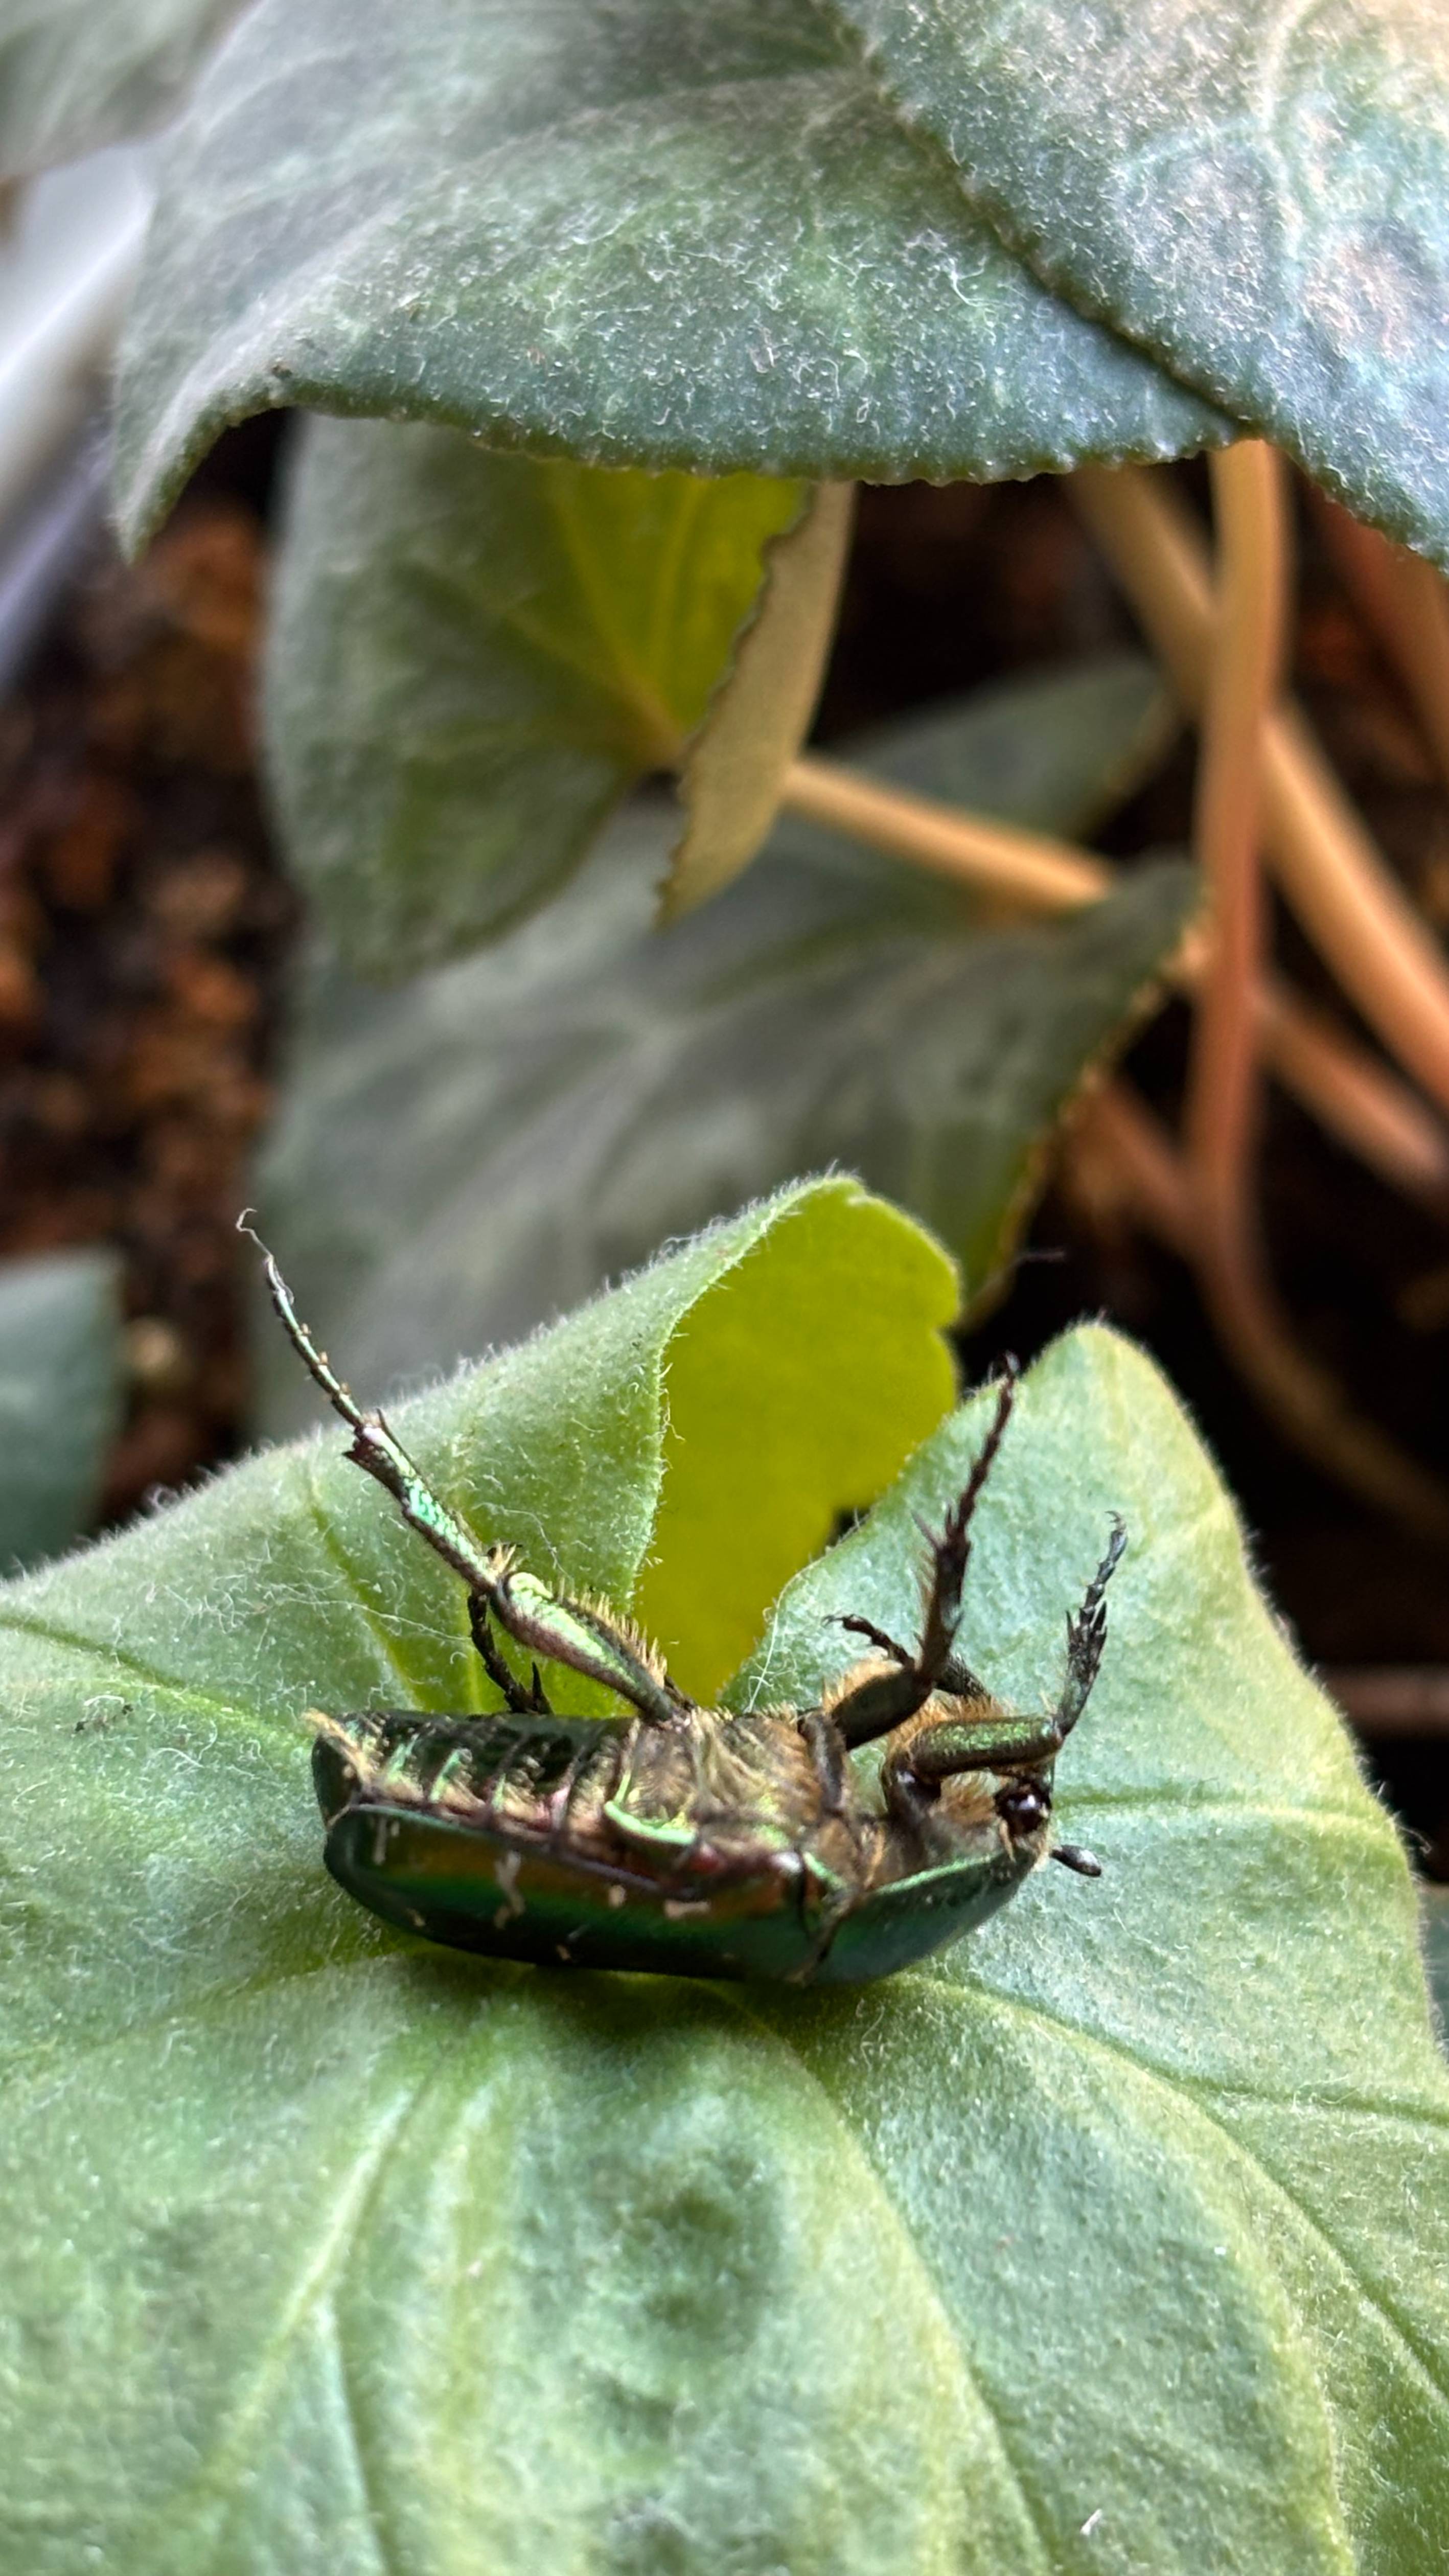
[644,233]
[764,705]
[472,657]
[1202,2092]
[242,2130]
[325,2251]
[60,1396]
[78,73]
[455,1160]
[1258,196]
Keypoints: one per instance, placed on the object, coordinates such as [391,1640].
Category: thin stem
[1307,1403]
[1223,1089]
[1223,1081]
[1378,946]
[1354,1097]
[1025,868]
[1143,1159]
[1406,602]
[1339,1083]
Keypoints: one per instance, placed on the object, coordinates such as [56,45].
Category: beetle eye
[1023,1805]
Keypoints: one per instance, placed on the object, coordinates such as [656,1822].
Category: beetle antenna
[1072,1856]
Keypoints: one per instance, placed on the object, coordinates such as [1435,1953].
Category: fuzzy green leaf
[60,1396]
[454,1160]
[324,2251]
[473,657]
[1258,196]
[642,233]
[1173,2150]
[78,73]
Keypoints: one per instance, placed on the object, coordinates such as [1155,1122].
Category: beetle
[697,1841]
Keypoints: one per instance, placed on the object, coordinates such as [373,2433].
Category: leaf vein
[917,2262]
[1372,2302]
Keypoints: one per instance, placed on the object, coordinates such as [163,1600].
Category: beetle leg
[1021,1743]
[579,1635]
[524,1703]
[568,1632]
[1087,1635]
[826,1746]
[886,1699]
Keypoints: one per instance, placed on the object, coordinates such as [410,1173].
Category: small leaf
[641,233]
[454,1160]
[322,2250]
[78,73]
[473,657]
[761,712]
[60,1389]
[1259,197]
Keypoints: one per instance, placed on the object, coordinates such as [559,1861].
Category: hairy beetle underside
[675,1837]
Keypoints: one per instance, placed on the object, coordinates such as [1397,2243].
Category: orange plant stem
[1223,1081]
[1242,683]
[1354,1096]
[1382,952]
[1406,602]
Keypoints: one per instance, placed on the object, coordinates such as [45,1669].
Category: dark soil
[144,928]
[143,925]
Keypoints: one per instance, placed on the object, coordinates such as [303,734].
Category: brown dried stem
[1223,1098]
[1382,952]
[1223,1089]
[1029,869]
[1352,1095]
[1406,603]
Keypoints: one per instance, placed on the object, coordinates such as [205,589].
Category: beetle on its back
[689,1840]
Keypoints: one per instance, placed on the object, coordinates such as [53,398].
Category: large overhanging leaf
[473,656]
[77,73]
[457,1159]
[60,1396]
[647,233]
[1258,196]
[327,2252]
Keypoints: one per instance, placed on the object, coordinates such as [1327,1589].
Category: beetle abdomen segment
[477,1770]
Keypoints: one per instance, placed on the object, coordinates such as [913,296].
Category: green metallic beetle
[700,1842]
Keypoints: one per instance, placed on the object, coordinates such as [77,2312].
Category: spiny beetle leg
[374,1447]
[569,1632]
[1087,1635]
[888,1699]
[1018,1743]
[576,1634]
[524,1703]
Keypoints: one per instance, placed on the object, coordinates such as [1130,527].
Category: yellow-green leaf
[761,711]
